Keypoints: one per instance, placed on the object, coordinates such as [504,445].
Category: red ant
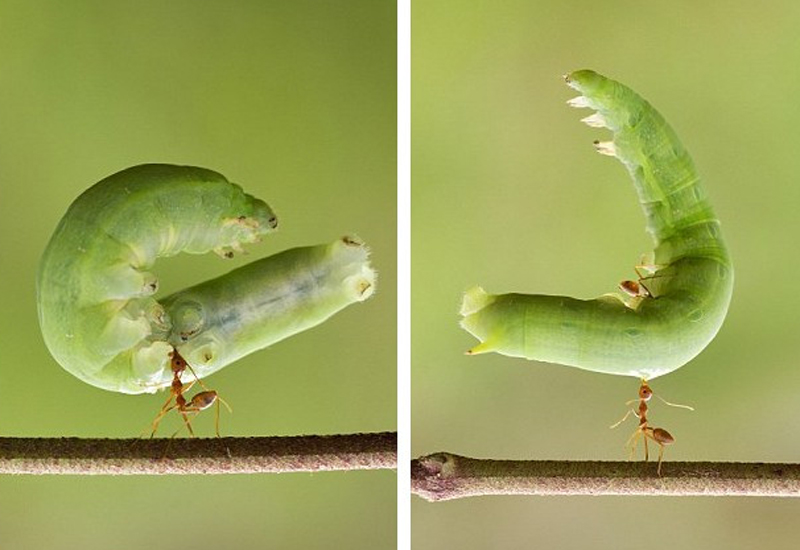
[644,272]
[637,288]
[659,435]
[199,402]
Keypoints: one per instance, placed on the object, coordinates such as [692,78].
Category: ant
[645,271]
[637,288]
[659,435]
[199,402]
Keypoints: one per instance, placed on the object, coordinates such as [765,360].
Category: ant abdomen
[205,399]
[662,436]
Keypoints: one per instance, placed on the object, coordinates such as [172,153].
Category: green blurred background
[508,193]
[296,101]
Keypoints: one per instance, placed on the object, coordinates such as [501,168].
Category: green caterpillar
[95,289]
[678,308]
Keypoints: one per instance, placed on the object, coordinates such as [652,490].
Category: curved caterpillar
[95,289]
[678,308]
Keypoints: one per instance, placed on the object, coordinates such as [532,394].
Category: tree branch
[446,476]
[226,455]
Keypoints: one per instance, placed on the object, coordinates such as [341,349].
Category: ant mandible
[199,402]
[659,435]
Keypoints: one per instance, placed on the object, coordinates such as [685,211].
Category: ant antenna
[676,405]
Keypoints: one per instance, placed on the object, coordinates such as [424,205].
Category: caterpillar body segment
[689,285]
[96,284]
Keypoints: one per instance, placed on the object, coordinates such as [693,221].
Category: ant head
[177,362]
[645,392]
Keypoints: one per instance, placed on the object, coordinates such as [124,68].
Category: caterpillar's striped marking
[691,276]
[95,286]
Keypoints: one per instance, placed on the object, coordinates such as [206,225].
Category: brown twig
[446,476]
[226,455]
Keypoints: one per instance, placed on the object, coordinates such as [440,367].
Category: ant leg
[656,439]
[646,450]
[230,410]
[645,271]
[633,442]
[221,400]
[647,263]
[164,409]
[660,457]
[179,404]
[187,422]
[216,418]
[644,282]
[218,399]
[624,418]
[165,406]
[160,417]
[206,399]
[663,438]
